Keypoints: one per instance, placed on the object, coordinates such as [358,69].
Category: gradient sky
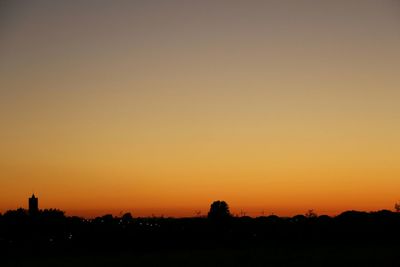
[161,107]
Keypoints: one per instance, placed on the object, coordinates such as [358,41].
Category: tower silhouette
[33,205]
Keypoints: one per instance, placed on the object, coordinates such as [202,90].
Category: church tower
[33,205]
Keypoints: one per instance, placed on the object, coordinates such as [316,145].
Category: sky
[161,107]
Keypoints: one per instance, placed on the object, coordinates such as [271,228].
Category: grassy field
[361,255]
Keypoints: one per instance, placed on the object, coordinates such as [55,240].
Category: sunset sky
[161,107]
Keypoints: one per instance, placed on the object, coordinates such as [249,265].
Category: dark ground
[378,254]
[49,238]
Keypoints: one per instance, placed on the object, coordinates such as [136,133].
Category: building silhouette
[33,205]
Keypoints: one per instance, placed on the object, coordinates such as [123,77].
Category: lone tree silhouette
[219,210]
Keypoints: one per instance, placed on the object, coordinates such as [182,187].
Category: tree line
[51,229]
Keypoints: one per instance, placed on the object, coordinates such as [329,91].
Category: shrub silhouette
[397,207]
[311,214]
[219,210]
[127,218]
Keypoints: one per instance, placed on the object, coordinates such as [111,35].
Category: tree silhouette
[311,214]
[397,207]
[127,218]
[52,213]
[219,210]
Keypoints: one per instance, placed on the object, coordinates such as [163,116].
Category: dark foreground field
[274,255]
[49,238]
